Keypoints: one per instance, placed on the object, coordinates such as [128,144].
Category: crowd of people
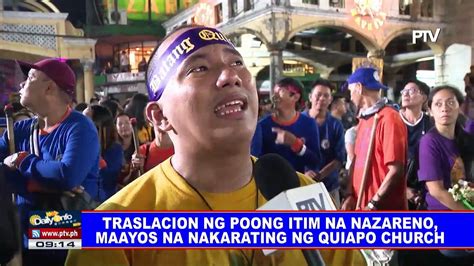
[155,154]
[92,149]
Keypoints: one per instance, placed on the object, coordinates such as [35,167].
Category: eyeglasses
[410,91]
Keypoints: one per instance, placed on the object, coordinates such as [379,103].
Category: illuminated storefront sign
[297,69]
[138,10]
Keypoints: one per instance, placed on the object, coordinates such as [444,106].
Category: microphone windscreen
[273,175]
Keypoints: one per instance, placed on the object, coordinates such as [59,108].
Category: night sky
[76,10]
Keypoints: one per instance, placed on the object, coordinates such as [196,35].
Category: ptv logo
[312,204]
[425,34]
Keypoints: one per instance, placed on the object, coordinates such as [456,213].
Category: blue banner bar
[277,230]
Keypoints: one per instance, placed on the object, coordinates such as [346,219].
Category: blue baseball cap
[368,77]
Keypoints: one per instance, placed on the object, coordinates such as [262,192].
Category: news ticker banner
[274,230]
[54,230]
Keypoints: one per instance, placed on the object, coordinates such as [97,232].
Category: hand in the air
[284,137]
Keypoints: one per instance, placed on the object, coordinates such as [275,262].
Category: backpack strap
[34,141]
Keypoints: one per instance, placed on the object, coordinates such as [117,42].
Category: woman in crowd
[125,137]
[445,157]
[111,151]
[136,109]
[445,151]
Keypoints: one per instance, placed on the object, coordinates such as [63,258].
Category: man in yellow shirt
[203,95]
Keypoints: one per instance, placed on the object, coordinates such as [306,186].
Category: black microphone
[273,175]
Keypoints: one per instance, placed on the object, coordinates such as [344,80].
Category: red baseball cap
[57,71]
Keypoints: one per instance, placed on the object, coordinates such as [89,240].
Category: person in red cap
[385,186]
[288,133]
[56,151]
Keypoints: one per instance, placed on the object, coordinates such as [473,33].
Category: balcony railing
[122,82]
[125,77]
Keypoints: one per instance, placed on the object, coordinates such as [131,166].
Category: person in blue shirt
[111,151]
[331,134]
[64,151]
[286,132]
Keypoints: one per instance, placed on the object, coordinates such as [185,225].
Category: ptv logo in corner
[425,35]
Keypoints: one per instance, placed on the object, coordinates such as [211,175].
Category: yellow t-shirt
[162,188]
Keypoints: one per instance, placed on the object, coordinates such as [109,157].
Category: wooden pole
[367,162]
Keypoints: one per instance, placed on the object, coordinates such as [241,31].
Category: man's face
[211,101]
[412,96]
[356,93]
[284,98]
[340,106]
[321,97]
[32,91]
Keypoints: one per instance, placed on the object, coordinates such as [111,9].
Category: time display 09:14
[54,244]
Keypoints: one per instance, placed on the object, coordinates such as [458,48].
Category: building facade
[93,36]
[31,36]
[329,37]
[304,39]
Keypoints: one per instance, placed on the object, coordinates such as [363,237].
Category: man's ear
[359,88]
[52,88]
[154,114]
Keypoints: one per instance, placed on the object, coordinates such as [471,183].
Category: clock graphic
[368,14]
